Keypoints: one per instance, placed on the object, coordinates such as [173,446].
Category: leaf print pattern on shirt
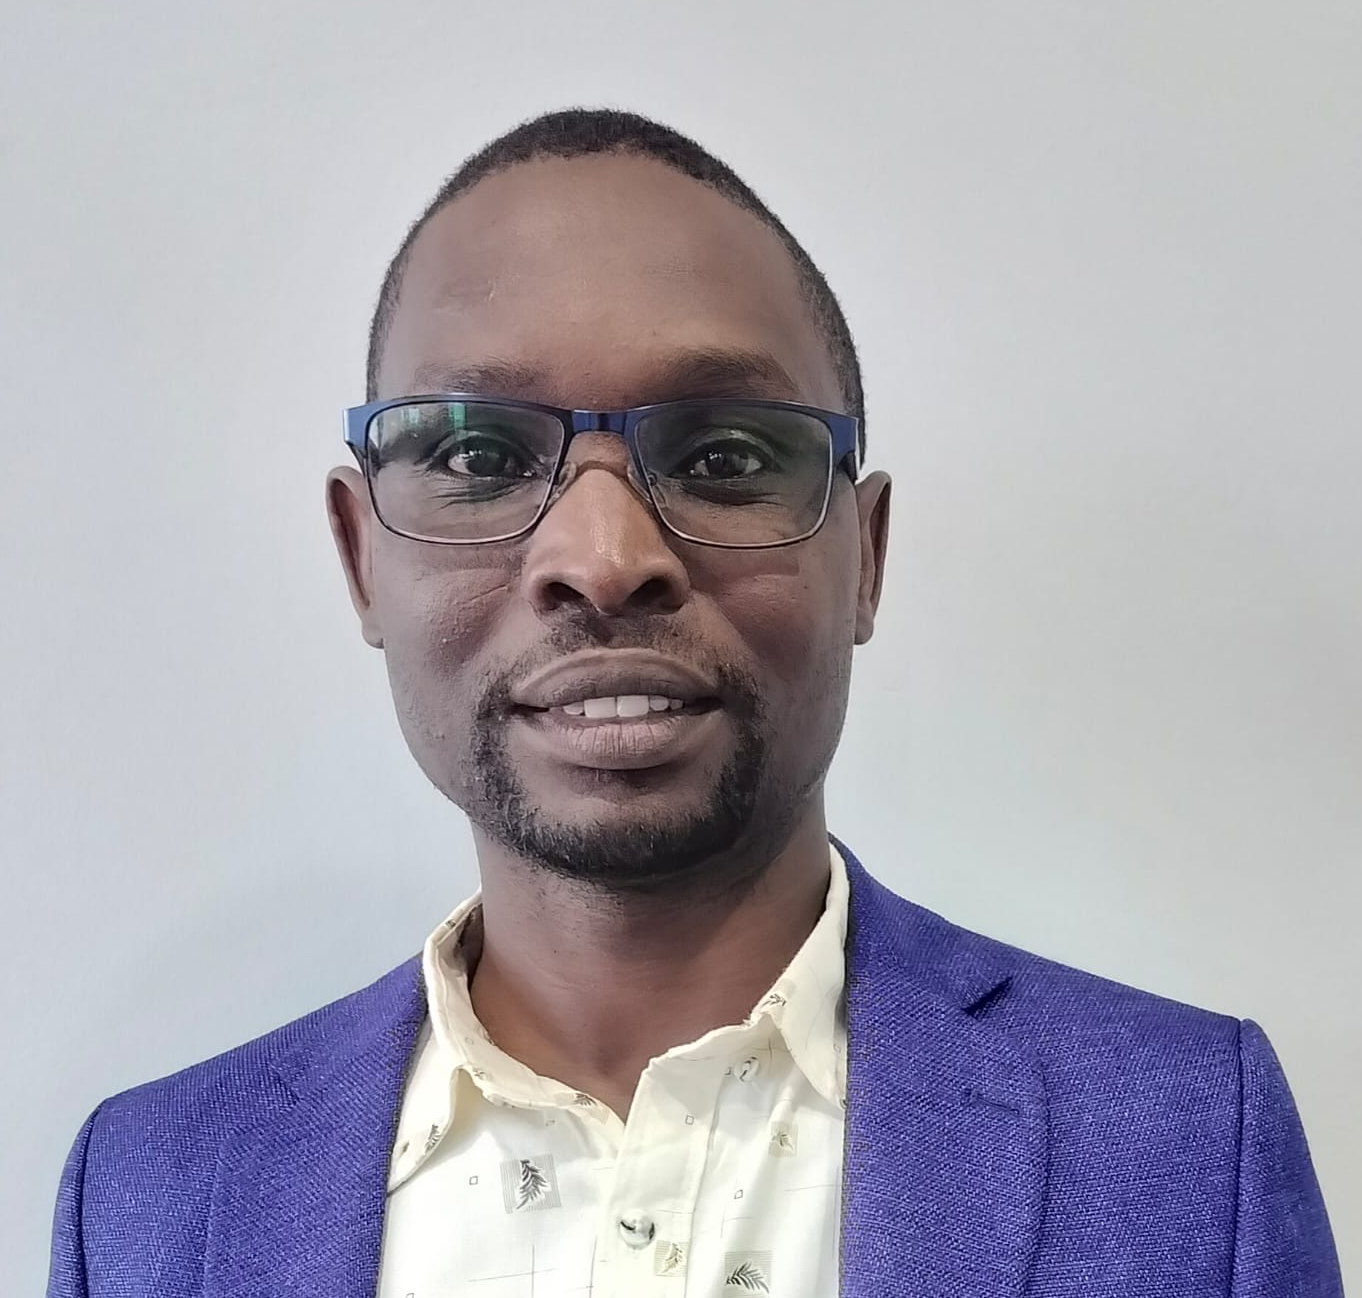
[533,1184]
[528,1184]
[671,1258]
[748,1276]
[784,1140]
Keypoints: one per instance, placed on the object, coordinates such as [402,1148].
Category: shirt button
[748,1069]
[637,1229]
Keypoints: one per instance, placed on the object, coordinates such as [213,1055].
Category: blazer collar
[944,1169]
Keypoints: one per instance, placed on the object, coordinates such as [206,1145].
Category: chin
[615,839]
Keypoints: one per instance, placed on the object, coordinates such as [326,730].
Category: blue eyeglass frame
[843,429]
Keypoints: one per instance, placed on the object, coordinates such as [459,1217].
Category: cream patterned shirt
[724,1180]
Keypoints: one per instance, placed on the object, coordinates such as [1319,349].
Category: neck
[587,988]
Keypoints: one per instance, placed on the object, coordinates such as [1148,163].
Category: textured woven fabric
[728,1164]
[1014,1127]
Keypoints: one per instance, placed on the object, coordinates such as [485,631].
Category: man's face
[605,282]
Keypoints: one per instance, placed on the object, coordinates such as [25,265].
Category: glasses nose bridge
[612,422]
[598,421]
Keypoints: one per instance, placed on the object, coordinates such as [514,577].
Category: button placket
[658,1171]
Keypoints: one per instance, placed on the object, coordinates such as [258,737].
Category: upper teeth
[623,705]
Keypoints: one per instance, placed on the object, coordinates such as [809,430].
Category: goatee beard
[709,850]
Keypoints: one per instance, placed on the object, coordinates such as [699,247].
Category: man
[610,526]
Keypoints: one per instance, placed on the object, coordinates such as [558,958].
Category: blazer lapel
[944,1176]
[297,1207]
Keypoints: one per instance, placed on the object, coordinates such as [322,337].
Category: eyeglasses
[459,469]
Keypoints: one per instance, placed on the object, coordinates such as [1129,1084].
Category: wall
[1104,267]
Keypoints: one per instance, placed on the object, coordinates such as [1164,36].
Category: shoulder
[1070,1017]
[1121,1067]
[1154,1111]
[198,1105]
[133,1202]
[1057,1000]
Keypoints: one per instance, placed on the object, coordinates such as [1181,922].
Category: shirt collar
[458,1035]
[806,1005]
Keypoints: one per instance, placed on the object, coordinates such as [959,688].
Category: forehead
[592,277]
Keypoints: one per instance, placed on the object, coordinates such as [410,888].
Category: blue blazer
[1014,1127]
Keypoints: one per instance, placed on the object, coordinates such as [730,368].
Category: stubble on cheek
[437,628]
[801,630]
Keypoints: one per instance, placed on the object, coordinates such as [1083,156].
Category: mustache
[587,629]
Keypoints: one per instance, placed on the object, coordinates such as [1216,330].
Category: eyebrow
[725,372]
[490,377]
[699,372]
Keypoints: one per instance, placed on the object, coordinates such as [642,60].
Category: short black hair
[576,132]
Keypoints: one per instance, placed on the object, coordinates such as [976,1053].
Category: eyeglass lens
[723,472]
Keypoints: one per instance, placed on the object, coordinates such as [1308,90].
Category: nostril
[555,593]
[656,590]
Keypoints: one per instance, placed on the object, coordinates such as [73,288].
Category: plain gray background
[1103,263]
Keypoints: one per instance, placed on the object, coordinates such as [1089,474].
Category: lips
[613,673]
[616,710]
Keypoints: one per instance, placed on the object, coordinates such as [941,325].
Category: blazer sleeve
[1282,1244]
[66,1277]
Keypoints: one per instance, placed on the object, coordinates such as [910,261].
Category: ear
[352,522]
[872,501]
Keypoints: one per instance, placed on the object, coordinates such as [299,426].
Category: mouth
[612,709]
[617,710]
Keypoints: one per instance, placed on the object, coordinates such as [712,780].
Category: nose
[600,543]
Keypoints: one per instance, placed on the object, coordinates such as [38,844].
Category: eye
[729,457]
[481,456]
